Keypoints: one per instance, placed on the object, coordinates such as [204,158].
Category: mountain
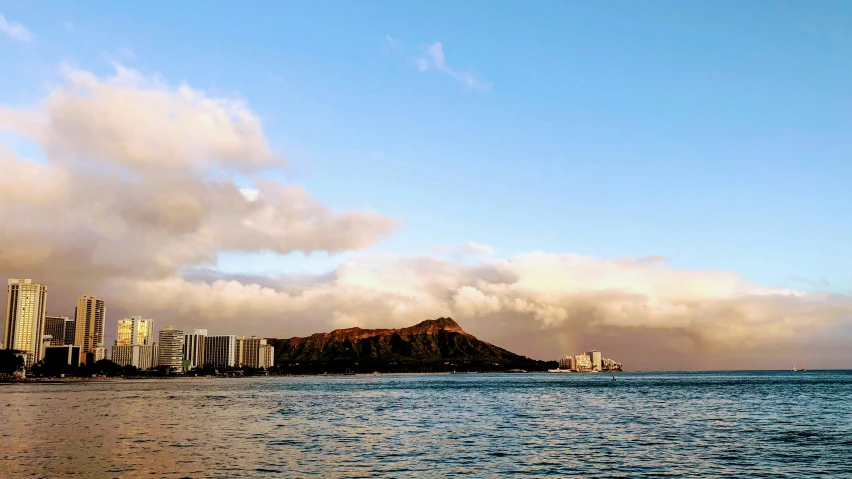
[434,345]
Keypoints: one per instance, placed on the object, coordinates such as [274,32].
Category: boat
[803,367]
[558,370]
[794,368]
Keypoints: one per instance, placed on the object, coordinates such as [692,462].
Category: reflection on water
[643,425]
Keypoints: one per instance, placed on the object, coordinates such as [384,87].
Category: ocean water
[738,424]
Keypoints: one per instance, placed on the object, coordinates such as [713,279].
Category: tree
[10,362]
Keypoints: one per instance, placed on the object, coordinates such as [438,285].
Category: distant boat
[803,367]
[794,368]
[558,370]
[613,377]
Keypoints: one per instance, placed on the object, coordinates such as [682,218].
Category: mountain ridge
[432,345]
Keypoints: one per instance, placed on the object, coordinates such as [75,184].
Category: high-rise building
[56,327]
[595,359]
[137,355]
[70,331]
[253,352]
[267,356]
[170,348]
[219,351]
[90,316]
[134,330]
[134,343]
[193,348]
[25,313]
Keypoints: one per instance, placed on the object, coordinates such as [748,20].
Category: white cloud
[140,182]
[392,42]
[14,30]
[459,250]
[437,60]
[715,313]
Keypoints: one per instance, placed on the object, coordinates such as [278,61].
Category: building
[595,359]
[254,353]
[25,315]
[134,343]
[582,362]
[62,354]
[567,362]
[267,356]
[70,331]
[90,316]
[220,351]
[610,365]
[134,330]
[56,327]
[193,348]
[170,348]
[137,355]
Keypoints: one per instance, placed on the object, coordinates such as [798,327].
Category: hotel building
[90,316]
[595,359]
[193,348]
[56,327]
[25,314]
[220,351]
[253,352]
[134,343]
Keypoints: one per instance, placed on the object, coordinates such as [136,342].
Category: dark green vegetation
[10,362]
[437,345]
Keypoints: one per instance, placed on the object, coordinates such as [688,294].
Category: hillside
[433,345]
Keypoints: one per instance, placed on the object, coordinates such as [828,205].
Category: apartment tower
[170,348]
[89,336]
[25,313]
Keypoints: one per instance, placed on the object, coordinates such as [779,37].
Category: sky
[666,182]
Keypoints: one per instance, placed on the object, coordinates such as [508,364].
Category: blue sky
[717,134]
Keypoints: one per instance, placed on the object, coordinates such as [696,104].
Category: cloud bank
[139,185]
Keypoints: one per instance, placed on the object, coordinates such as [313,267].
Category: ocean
[708,424]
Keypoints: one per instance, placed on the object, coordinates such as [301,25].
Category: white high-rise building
[170,348]
[90,317]
[595,359]
[193,348]
[138,355]
[220,351]
[25,313]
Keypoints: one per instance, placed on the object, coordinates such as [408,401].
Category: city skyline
[601,176]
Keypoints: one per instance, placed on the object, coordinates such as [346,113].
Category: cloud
[437,60]
[392,42]
[540,304]
[464,249]
[140,181]
[13,30]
